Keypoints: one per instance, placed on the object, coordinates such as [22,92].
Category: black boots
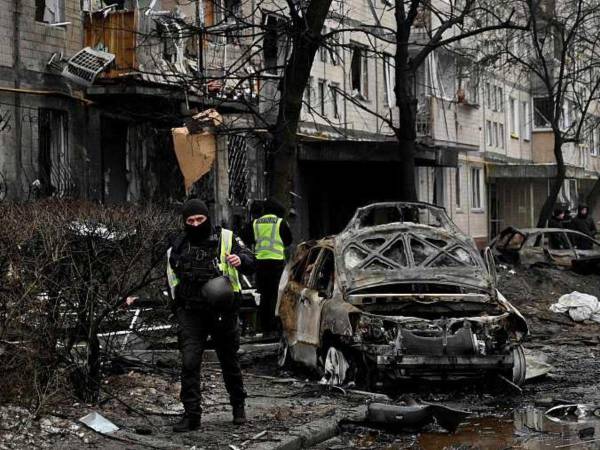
[239,415]
[190,422]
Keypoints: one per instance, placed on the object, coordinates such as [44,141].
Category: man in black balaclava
[203,275]
[584,224]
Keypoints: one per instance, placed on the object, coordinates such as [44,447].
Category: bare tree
[560,50]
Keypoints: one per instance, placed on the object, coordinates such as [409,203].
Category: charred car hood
[408,253]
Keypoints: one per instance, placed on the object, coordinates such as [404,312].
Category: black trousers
[268,273]
[194,328]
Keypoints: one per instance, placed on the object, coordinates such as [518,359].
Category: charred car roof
[388,243]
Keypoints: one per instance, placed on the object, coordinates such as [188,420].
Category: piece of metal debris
[98,423]
[415,416]
[86,65]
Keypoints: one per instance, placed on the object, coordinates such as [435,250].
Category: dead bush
[66,269]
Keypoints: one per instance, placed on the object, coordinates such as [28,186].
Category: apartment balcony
[114,33]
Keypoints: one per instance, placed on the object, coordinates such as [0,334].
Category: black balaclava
[580,209]
[196,234]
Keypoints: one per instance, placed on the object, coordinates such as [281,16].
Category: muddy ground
[286,407]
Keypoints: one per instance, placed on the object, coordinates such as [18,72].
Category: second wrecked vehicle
[401,293]
[555,247]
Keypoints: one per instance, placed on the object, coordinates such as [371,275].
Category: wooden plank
[117,34]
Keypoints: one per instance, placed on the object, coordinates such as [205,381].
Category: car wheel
[519,365]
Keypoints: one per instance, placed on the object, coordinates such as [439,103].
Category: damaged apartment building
[90,91]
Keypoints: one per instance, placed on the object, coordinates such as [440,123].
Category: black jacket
[181,247]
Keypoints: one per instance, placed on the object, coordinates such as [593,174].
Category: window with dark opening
[542,112]
[322,92]
[325,275]
[359,71]
[53,156]
[50,11]
[333,89]
[271,44]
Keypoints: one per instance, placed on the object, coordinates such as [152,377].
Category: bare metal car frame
[401,293]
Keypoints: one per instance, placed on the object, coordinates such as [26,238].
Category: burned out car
[556,247]
[401,293]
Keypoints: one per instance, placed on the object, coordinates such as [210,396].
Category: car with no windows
[400,294]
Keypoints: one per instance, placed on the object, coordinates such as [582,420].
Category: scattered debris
[415,416]
[98,423]
[579,306]
[85,66]
[195,154]
[536,365]
[336,367]
[573,412]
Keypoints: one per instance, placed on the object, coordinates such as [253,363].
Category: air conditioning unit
[86,64]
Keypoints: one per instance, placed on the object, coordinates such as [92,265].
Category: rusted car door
[301,303]
[558,248]
[299,276]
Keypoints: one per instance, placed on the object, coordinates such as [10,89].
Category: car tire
[519,369]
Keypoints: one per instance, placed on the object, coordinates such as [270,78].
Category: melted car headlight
[373,330]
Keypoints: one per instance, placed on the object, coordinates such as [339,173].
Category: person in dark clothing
[198,259]
[557,219]
[270,235]
[557,240]
[584,224]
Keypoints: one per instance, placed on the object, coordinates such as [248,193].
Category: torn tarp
[195,154]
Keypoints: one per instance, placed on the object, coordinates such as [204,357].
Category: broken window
[53,158]
[325,274]
[303,269]
[359,71]
[271,44]
[50,11]
[542,112]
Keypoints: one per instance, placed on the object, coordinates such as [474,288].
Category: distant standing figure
[584,224]
[557,219]
[270,234]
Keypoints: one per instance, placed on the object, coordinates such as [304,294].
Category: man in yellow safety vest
[203,269]
[270,235]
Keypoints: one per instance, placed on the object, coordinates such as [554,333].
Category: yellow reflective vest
[268,242]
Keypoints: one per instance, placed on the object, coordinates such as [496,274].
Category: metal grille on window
[237,156]
[55,177]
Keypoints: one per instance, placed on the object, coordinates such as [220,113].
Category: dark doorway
[334,190]
[114,157]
